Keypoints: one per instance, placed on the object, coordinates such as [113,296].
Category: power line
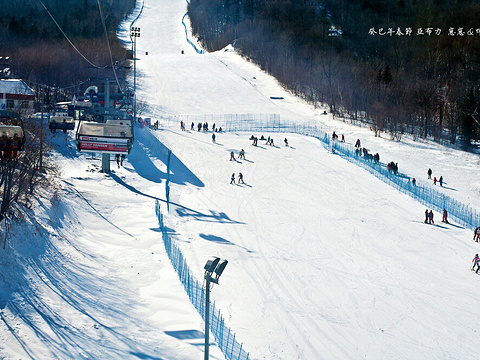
[66,37]
[108,45]
[59,88]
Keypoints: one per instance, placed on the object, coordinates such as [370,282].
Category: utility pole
[134,33]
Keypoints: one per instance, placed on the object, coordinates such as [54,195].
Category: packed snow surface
[325,260]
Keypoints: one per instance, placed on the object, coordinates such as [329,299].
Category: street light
[134,33]
[215,266]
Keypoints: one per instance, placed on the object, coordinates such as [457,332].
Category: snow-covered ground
[325,260]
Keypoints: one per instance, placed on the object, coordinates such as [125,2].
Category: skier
[414,181]
[181,125]
[268,141]
[271,142]
[429,173]
[441,180]
[357,143]
[426,216]
[430,217]
[232,156]
[117,158]
[476,234]
[445,216]
[286,142]
[232,179]
[343,138]
[241,154]
[476,261]
[213,138]
[192,126]
[240,178]
[434,180]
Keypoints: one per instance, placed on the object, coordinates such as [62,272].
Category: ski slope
[325,260]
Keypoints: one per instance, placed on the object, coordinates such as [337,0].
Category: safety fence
[225,338]
[199,51]
[463,214]
[436,200]
[226,121]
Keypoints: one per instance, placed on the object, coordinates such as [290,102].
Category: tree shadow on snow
[79,289]
[220,240]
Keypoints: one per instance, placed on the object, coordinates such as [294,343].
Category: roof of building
[15,86]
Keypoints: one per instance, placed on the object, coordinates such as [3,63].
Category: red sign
[103,147]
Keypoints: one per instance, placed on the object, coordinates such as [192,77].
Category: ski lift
[61,119]
[12,137]
[112,138]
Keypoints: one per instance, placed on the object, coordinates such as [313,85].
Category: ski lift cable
[108,45]
[66,37]
[58,88]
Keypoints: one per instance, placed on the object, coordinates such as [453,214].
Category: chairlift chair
[113,138]
[12,137]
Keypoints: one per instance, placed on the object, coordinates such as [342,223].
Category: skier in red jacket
[476,261]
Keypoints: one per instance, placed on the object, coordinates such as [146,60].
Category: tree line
[39,51]
[403,66]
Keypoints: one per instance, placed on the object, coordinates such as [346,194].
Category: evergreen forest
[402,66]
[36,34]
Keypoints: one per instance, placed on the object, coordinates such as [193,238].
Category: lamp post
[213,265]
[134,33]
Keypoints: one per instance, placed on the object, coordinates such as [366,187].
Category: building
[16,95]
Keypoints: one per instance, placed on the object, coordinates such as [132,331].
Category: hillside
[402,66]
[38,36]
[325,260]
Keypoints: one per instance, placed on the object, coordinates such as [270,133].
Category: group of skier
[429,174]
[119,159]
[476,234]
[269,141]
[335,137]
[240,178]
[391,167]
[200,126]
[429,217]
[241,154]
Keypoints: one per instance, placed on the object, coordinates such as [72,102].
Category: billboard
[103,145]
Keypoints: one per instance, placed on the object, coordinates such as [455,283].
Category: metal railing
[463,214]
[225,338]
